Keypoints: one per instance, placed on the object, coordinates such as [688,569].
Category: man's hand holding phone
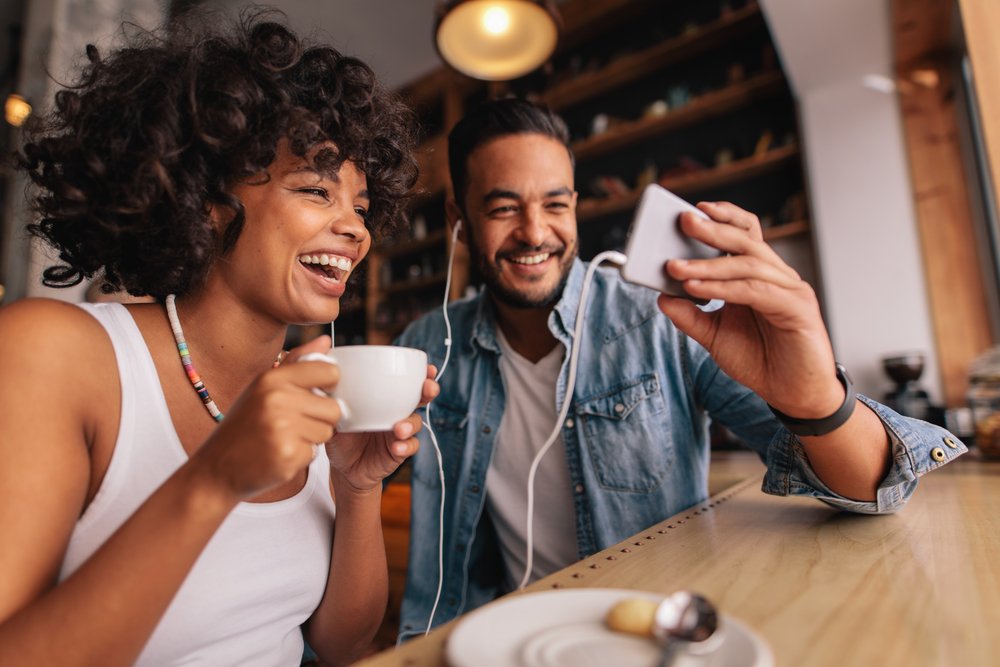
[770,336]
[656,237]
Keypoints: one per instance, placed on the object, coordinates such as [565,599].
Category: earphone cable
[430,430]
[614,257]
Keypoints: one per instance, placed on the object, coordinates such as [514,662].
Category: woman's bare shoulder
[37,325]
[50,343]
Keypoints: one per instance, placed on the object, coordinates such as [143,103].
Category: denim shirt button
[569,423]
[487,430]
[578,488]
[937,454]
[619,408]
[474,488]
[452,602]
[951,443]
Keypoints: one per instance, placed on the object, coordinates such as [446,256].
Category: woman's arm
[54,395]
[54,380]
[348,616]
[354,602]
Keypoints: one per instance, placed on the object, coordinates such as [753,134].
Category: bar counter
[823,587]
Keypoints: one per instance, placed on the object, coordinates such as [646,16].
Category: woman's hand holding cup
[379,389]
[269,434]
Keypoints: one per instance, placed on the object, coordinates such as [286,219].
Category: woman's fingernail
[400,449]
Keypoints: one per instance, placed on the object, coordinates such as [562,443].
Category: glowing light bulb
[16,110]
[496,20]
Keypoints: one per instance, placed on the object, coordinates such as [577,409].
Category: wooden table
[823,587]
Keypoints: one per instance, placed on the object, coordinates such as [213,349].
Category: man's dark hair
[153,135]
[494,119]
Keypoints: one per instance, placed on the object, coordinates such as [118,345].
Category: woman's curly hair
[134,155]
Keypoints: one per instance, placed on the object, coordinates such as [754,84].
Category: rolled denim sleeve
[917,448]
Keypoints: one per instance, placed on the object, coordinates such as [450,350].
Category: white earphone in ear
[458,223]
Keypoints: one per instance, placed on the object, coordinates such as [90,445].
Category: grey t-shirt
[527,422]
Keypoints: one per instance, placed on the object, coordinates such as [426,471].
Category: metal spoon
[682,622]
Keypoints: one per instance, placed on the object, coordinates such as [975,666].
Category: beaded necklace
[182,349]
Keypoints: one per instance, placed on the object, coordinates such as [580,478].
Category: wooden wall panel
[981,22]
[942,200]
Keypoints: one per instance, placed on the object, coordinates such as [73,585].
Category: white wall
[863,217]
[55,36]
[394,37]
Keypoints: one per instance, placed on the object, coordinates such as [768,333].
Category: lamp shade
[496,40]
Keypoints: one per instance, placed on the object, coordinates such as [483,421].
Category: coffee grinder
[907,398]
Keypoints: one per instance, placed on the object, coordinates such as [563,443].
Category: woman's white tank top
[261,575]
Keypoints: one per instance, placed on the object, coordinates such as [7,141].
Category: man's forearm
[855,458]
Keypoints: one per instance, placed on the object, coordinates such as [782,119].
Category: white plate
[566,629]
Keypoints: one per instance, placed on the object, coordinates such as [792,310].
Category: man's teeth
[531,259]
[341,263]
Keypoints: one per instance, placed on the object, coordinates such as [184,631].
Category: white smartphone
[655,237]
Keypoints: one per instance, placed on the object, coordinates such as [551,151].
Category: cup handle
[345,412]
[320,356]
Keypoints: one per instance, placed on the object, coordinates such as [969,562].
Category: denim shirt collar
[562,319]
[484,328]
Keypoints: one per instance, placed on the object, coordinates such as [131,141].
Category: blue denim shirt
[636,437]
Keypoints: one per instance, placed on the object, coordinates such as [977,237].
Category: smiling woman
[181,510]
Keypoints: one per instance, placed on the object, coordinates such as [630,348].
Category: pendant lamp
[16,110]
[496,40]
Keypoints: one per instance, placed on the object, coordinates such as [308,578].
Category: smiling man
[652,371]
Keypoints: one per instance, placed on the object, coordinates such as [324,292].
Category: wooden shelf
[435,238]
[786,230]
[688,184]
[352,307]
[706,106]
[739,170]
[426,90]
[631,68]
[432,160]
[587,20]
[403,287]
[390,332]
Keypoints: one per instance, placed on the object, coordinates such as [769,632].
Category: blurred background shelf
[630,68]
[433,239]
[690,184]
[689,94]
[711,104]
[415,285]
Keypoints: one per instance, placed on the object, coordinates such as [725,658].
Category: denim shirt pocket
[626,435]
[449,425]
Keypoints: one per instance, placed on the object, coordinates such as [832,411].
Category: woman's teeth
[341,263]
[333,266]
[531,259]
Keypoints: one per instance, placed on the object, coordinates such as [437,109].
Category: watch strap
[814,427]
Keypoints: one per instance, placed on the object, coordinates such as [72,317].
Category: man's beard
[514,298]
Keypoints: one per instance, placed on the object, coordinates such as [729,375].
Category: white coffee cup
[379,384]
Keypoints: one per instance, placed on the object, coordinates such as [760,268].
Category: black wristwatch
[827,424]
